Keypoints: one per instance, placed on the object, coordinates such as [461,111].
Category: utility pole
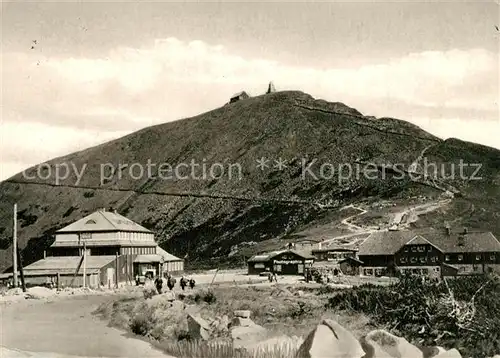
[84,264]
[23,283]
[14,247]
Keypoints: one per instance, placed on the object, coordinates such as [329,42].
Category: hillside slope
[204,217]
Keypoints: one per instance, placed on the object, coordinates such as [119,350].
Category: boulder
[242,313]
[244,337]
[198,328]
[329,339]
[380,343]
[38,292]
[452,353]
[242,322]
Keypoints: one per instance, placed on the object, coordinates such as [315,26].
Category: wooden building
[426,252]
[238,97]
[285,262]
[350,266]
[116,251]
[333,254]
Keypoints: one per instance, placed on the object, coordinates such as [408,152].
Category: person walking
[183,283]
[159,284]
[192,283]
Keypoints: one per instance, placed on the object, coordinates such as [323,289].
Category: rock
[198,328]
[242,322]
[242,313]
[244,337]
[38,292]
[329,339]
[452,353]
[169,295]
[177,305]
[380,343]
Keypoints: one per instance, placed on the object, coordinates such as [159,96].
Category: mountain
[204,218]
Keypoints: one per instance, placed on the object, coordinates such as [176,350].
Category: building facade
[117,250]
[285,262]
[333,254]
[434,253]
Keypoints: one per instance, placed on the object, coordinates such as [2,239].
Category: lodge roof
[66,264]
[94,243]
[166,255]
[385,243]
[102,220]
[389,242]
[270,255]
[334,249]
[351,259]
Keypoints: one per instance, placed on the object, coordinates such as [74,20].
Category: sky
[101,70]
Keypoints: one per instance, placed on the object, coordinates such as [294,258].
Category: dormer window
[90,222]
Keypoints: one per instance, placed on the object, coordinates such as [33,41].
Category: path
[346,222]
[67,327]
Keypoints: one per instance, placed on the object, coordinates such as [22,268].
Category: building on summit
[239,96]
[116,251]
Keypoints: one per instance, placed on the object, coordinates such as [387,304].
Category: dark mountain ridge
[204,217]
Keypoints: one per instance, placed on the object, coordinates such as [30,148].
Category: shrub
[462,313]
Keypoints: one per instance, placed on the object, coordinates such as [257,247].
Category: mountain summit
[253,170]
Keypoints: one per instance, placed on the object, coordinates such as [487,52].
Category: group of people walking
[171,281]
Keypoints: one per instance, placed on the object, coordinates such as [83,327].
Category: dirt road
[66,326]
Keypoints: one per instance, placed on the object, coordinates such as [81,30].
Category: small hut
[239,96]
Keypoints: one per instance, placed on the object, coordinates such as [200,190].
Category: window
[369,272]
[90,222]
[447,258]
[492,257]
[406,248]
[403,260]
[434,259]
[259,266]
[423,260]
[460,257]
[478,257]
[413,249]
[430,249]
[413,260]
[436,269]
[277,268]
[421,248]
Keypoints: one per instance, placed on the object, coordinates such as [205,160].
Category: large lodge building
[117,250]
[435,253]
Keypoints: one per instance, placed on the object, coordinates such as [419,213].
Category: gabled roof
[242,93]
[389,242]
[166,255]
[334,249]
[268,256]
[385,242]
[103,221]
[472,242]
[351,259]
